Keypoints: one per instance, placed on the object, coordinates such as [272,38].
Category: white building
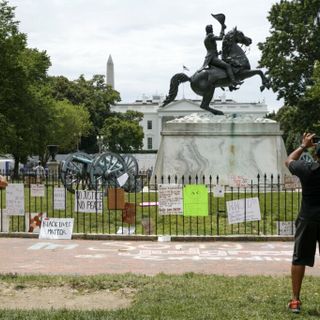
[155,116]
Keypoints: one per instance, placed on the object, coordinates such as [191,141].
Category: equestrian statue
[229,71]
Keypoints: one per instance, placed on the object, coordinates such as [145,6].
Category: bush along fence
[176,206]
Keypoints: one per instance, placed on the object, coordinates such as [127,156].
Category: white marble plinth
[206,144]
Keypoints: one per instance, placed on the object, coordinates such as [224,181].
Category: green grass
[190,296]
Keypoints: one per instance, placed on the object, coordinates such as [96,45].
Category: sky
[149,40]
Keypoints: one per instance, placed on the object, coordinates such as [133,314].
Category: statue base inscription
[227,145]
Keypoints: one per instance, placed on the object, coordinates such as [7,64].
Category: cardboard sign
[37,190]
[56,228]
[129,213]
[88,201]
[195,200]
[59,199]
[243,210]
[286,228]
[15,199]
[115,198]
[170,199]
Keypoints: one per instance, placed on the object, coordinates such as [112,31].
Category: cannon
[81,170]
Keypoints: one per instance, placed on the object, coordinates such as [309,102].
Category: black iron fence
[138,213]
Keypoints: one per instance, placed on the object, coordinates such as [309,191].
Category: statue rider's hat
[221,18]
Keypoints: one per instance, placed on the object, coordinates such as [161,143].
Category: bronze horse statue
[233,54]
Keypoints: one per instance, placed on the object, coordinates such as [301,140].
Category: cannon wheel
[133,183]
[74,174]
[105,169]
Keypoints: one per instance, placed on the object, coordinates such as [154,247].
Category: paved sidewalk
[87,257]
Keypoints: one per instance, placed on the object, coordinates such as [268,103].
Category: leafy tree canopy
[292,49]
[122,133]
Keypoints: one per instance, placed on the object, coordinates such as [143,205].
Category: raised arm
[307,142]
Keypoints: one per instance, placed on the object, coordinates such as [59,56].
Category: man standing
[308,221]
[212,57]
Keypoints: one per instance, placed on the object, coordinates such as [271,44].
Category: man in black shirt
[308,221]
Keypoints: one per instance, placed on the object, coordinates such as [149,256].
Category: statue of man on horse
[226,72]
[212,58]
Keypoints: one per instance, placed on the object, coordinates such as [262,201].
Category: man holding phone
[308,221]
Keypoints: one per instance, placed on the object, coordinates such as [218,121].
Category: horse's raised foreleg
[250,73]
[206,99]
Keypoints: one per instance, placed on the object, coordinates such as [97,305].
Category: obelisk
[110,72]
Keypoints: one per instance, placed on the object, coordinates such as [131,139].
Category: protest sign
[195,200]
[129,213]
[115,198]
[37,190]
[170,199]
[238,182]
[34,220]
[88,201]
[56,228]
[126,230]
[15,199]
[218,191]
[286,228]
[243,210]
[59,198]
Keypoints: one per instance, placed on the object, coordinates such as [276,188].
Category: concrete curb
[94,236]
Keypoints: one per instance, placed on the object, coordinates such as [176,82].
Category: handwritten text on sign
[170,199]
[56,228]
[15,199]
[243,210]
[59,197]
[88,201]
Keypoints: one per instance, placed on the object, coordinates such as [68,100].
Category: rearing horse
[233,54]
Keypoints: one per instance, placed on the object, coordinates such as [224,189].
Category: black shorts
[306,237]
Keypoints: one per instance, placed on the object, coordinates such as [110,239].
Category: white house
[155,116]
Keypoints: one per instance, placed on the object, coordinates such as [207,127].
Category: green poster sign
[195,200]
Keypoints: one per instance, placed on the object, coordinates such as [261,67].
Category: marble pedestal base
[205,144]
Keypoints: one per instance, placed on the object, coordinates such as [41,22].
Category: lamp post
[100,142]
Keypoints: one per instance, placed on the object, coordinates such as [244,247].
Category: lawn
[189,296]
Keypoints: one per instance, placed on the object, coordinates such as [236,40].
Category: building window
[149,124]
[149,143]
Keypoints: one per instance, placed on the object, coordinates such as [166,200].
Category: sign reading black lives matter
[56,228]
[88,201]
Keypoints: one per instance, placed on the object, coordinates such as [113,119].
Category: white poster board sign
[170,199]
[4,227]
[243,210]
[238,182]
[88,201]
[122,179]
[126,230]
[59,199]
[37,190]
[218,191]
[286,228]
[56,228]
[15,199]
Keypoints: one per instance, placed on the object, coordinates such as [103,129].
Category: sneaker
[294,305]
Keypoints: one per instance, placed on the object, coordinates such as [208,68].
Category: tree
[305,116]
[292,49]
[122,133]
[23,72]
[93,94]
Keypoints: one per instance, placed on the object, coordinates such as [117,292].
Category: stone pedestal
[53,169]
[206,144]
